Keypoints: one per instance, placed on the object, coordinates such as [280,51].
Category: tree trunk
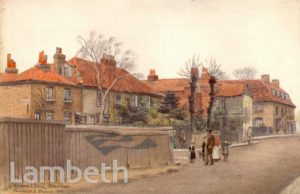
[212,83]
[192,104]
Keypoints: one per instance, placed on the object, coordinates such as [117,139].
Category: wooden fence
[48,143]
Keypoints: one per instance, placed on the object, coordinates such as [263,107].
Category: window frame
[135,100]
[52,114]
[70,115]
[259,122]
[118,98]
[47,93]
[39,115]
[259,108]
[70,96]
[98,98]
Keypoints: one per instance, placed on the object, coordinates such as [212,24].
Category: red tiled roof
[171,85]
[127,84]
[180,87]
[36,74]
[7,77]
[230,89]
[261,91]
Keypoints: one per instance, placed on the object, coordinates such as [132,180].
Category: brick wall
[59,106]
[15,100]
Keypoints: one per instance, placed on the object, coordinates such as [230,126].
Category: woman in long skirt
[216,150]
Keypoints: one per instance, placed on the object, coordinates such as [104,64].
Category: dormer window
[66,71]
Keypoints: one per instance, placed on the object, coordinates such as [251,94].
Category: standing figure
[249,134]
[203,148]
[225,149]
[217,146]
[210,142]
[192,153]
[182,138]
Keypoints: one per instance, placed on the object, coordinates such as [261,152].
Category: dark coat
[210,144]
[192,152]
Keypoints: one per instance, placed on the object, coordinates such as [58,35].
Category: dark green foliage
[133,114]
[170,102]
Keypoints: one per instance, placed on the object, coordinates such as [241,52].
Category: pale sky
[162,33]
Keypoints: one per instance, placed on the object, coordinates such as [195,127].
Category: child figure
[225,150]
[192,153]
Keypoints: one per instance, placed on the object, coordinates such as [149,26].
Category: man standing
[249,134]
[210,142]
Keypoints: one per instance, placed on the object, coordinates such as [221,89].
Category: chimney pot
[266,78]
[11,65]
[41,57]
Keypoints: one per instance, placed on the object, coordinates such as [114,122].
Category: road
[267,167]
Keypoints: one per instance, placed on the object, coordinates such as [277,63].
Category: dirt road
[266,167]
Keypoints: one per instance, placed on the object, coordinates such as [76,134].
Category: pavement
[270,166]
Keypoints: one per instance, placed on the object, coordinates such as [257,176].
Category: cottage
[128,89]
[232,108]
[38,92]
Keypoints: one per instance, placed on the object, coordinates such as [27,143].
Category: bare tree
[191,71]
[246,73]
[93,49]
[215,70]
[39,101]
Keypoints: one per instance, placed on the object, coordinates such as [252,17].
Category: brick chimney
[266,78]
[59,59]
[11,65]
[108,60]
[152,77]
[276,83]
[42,64]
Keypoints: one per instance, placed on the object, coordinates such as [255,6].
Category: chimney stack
[42,64]
[266,78]
[276,83]
[152,77]
[59,59]
[11,65]
[108,60]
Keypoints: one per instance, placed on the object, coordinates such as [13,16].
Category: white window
[133,100]
[68,118]
[92,120]
[259,108]
[258,122]
[49,93]
[99,98]
[148,101]
[37,116]
[118,99]
[49,116]
[67,95]
[273,92]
